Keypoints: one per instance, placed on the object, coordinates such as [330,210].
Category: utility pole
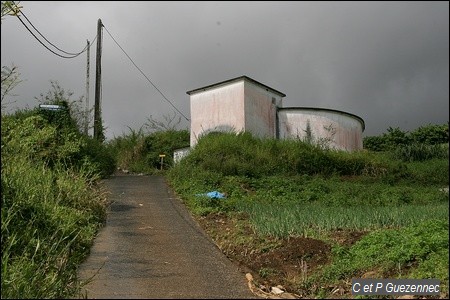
[98,130]
[86,116]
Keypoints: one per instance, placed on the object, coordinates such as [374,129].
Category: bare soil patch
[272,261]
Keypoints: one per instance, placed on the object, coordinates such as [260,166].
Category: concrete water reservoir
[328,127]
[244,104]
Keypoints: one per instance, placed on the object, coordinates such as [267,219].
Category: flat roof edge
[327,109]
[208,87]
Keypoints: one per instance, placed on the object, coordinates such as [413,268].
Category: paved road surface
[152,248]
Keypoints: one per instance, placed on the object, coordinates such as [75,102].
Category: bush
[420,152]
[54,141]
[164,142]
[431,134]
[139,152]
[390,251]
[51,207]
[396,138]
[244,155]
[98,155]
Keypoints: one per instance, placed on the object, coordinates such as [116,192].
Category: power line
[57,54]
[73,55]
[76,54]
[145,75]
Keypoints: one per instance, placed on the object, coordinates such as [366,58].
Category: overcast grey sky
[387,62]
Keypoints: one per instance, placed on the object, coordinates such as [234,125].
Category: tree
[170,123]
[10,76]
[10,79]
[59,96]
[10,8]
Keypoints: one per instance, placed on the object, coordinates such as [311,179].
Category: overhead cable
[72,55]
[69,53]
[145,75]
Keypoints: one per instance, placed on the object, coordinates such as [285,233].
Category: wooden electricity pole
[98,129]
[86,117]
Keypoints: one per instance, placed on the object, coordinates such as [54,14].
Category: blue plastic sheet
[214,195]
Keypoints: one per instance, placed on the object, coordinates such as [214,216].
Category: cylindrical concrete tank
[327,127]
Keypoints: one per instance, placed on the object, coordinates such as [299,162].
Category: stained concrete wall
[217,109]
[240,104]
[261,110]
[243,104]
[332,128]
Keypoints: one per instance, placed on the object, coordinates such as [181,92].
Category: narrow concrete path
[151,247]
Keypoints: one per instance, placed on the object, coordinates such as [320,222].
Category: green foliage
[97,157]
[432,267]
[10,8]
[421,152]
[431,134]
[285,219]
[374,143]
[284,206]
[245,155]
[72,117]
[413,243]
[291,188]
[139,152]
[433,172]
[292,174]
[164,142]
[49,219]
[39,140]
[53,139]
[396,138]
[127,149]
[390,250]
[51,204]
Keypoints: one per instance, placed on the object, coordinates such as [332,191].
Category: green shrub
[49,218]
[97,156]
[389,251]
[164,142]
[432,172]
[139,152]
[51,204]
[244,155]
[421,152]
[431,134]
[395,138]
[374,143]
[127,148]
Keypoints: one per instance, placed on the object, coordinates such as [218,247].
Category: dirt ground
[271,261]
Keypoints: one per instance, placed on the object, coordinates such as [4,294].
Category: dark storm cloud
[384,61]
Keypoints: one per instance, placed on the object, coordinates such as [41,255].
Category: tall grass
[267,170]
[139,151]
[415,251]
[291,188]
[421,152]
[245,155]
[302,220]
[51,207]
[49,219]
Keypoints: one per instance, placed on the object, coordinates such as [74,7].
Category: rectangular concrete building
[239,104]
